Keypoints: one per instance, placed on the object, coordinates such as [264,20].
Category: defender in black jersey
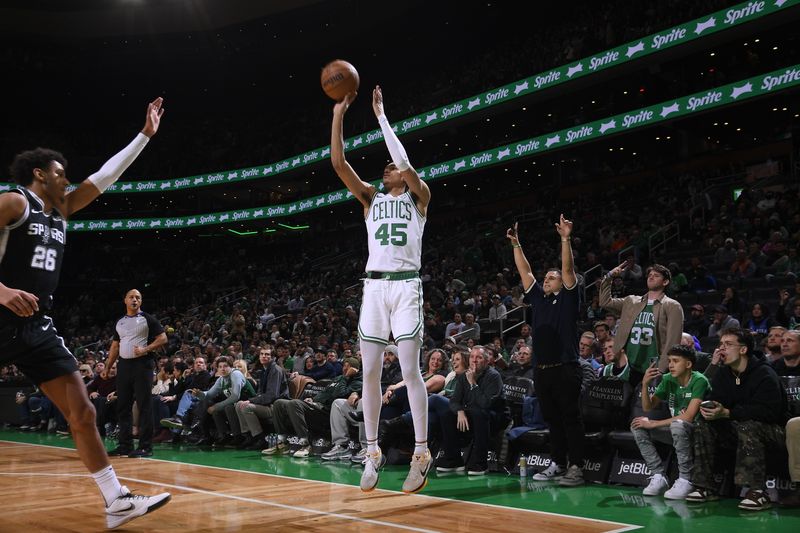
[32,238]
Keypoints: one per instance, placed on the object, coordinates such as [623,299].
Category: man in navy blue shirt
[555,305]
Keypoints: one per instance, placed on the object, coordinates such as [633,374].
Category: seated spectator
[748,416]
[320,368]
[697,323]
[725,255]
[391,372]
[722,321]
[679,282]
[742,267]
[760,320]
[164,397]
[223,394]
[497,311]
[789,363]
[616,366]
[476,407]
[734,303]
[100,389]
[257,411]
[289,416]
[772,344]
[787,265]
[521,364]
[395,397]
[198,379]
[699,278]
[344,413]
[455,327]
[87,374]
[683,389]
[333,359]
[586,349]
[471,330]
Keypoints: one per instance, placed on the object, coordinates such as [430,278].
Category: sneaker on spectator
[447,464]
[63,432]
[129,506]
[172,422]
[141,452]
[702,495]
[119,451]
[679,490]
[755,500]
[551,473]
[657,485]
[51,425]
[358,458]
[24,427]
[302,452]
[280,447]
[418,472]
[373,462]
[477,470]
[573,477]
[257,442]
[337,453]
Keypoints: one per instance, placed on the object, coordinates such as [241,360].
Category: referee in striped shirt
[136,336]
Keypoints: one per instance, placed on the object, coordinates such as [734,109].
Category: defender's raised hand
[377,101]
[512,234]
[153,118]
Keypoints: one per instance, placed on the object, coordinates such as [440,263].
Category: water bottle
[523,466]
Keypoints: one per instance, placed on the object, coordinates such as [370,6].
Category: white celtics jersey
[394,234]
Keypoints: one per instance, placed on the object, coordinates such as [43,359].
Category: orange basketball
[338,79]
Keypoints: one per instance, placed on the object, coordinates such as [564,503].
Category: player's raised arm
[361,190]
[523,266]
[97,183]
[418,188]
[564,229]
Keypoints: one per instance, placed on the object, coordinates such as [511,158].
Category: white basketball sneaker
[129,506]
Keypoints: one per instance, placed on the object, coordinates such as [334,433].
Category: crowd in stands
[276,367]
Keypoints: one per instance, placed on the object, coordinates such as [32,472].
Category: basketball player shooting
[32,239]
[392,298]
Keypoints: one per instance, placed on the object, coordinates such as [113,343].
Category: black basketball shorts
[36,349]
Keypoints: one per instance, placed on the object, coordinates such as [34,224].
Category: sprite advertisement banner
[683,33]
[647,116]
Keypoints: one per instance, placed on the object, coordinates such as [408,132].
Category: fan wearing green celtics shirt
[392,293]
[649,324]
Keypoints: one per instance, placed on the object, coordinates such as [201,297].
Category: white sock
[408,353]
[371,365]
[108,484]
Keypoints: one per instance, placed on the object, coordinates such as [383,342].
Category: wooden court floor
[45,488]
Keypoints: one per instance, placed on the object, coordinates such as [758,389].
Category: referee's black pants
[135,381]
[558,390]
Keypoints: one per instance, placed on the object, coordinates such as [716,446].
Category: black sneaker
[141,452]
[355,416]
[172,423]
[446,464]
[120,451]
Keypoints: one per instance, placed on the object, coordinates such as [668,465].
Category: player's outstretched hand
[341,107]
[153,118]
[22,303]
[377,101]
[564,227]
[512,234]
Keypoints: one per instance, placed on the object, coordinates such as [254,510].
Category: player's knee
[83,418]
